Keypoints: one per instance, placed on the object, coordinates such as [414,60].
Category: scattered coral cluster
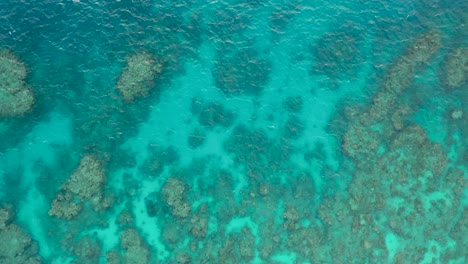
[16,98]
[278,217]
[81,204]
[132,249]
[400,180]
[139,75]
[402,188]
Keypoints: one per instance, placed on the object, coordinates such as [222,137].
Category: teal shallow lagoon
[299,132]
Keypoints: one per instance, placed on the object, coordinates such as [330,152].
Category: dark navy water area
[233,131]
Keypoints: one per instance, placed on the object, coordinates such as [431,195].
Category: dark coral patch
[293,104]
[242,72]
[196,138]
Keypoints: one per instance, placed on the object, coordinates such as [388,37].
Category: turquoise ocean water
[233,131]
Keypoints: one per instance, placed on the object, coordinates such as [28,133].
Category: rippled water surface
[233,131]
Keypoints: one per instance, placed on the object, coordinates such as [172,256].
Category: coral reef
[64,207]
[87,180]
[173,192]
[398,173]
[5,216]
[454,70]
[409,160]
[199,222]
[398,118]
[87,251]
[136,250]
[401,75]
[138,76]
[247,244]
[84,185]
[424,48]
[290,217]
[133,248]
[238,248]
[258,191]
[16,246]
[16,98]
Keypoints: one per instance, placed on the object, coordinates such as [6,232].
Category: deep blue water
[272,132]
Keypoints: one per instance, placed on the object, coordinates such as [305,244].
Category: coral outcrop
[136,250]
[16,246]
[173,192]
[84,185]
[16,98]
[138,76]
[454,70]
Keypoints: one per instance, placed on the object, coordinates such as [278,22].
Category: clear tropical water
[234,132]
